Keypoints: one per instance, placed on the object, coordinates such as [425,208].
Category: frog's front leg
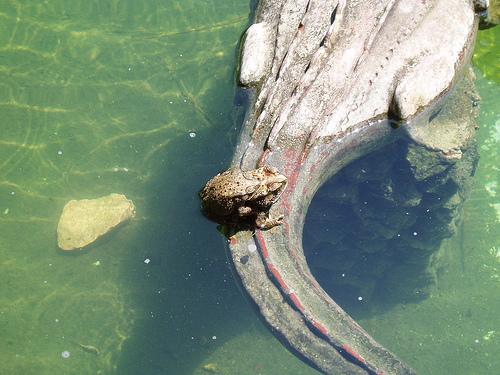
[263,221]
[244,211]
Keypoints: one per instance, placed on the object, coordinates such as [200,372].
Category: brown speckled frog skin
[237,197]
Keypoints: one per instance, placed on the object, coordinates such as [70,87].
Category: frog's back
[220,193]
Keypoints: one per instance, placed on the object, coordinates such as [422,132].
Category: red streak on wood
[320,327]
[352,353]
[262,244]
[291,174]
[285,201]
[277,276]
[296,302]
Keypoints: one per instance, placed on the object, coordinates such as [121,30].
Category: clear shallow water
[139,98]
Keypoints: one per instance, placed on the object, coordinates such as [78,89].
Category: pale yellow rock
[211,368]
[84,221]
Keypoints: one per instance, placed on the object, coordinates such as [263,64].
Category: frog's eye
[249,175]
[251,189]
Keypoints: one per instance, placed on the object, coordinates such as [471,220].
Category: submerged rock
[84,221]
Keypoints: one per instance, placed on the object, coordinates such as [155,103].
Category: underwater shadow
[373,232]
[186,300]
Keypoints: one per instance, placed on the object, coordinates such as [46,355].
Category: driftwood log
[333,80]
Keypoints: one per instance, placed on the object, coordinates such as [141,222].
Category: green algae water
[138,97]
[131,97]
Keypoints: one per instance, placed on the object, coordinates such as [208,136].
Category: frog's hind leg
[263,221]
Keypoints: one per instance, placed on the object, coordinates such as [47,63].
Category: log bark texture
[342,79]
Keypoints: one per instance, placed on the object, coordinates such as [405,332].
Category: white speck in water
[56,320]
[343,275]
[6,211]
[360,298]
[45,281]
[192,134]
[495,252]
[125,169]
[476,341]
[147,260]
[65,354]
[496,206]
[489,335]
[129,68]
[214,337]
[399,235]
[59,152]
[415,233]
[491,187]
[12,193]
[252,248]
[171,102]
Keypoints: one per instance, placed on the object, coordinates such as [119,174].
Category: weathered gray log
[341,74]
[400,201]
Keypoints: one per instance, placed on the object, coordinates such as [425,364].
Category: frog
[236,197]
